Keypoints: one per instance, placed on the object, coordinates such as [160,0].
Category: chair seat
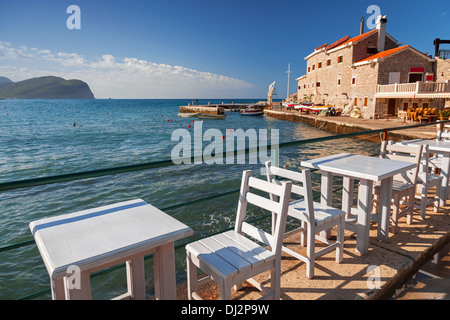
[322,213]
[228,254]
[432,179]
[397,187]
[436,161]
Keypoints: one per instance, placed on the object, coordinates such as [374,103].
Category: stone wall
[329,90]
[364,89]
[401,62]
[442,70]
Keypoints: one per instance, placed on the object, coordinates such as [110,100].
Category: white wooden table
[77,244]
[367,170]
[437,147]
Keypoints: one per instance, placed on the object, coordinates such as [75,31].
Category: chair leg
[303,233]
[311,247]
[395,212]
[225,290]
[340,240]
[436,201]
[276,281]
[192,283]
[410,210]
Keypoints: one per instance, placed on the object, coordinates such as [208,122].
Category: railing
[146,166]
[416,88]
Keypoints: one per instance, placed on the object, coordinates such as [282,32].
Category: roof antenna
[361,31]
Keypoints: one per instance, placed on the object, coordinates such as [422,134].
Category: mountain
[45,88]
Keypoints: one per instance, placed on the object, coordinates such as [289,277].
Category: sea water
[40,138]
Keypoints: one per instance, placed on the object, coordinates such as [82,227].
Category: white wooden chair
[404,184]
[314,216]
[230,258]
[435,161]
[426,181]
[443,134]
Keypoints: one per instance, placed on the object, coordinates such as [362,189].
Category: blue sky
[194,48]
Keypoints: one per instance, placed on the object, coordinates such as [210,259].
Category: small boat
[251,111]
[212,116]
[318,108]
[188,115]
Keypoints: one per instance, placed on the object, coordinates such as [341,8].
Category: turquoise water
[38,138]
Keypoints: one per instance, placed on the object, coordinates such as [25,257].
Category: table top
[93,237]
[434,145]
[359,166]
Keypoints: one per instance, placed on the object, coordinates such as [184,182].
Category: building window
[340,59]
[353,80]
[355,102]
[304,86]
[339,82]
[299,87]
[366,100]
[318,84]
[328,62]
[309,69]
[319,65]
[313,67]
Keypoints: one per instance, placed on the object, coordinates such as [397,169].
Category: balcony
[430,90]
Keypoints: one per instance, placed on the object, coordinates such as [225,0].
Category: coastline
[342,125]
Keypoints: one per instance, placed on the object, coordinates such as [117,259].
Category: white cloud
[109,76]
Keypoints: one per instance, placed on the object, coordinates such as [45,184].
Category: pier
[343,125]
[217,109]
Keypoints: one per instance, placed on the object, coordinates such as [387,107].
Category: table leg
[58,292]
[327,188]
[136,278]
[385,209]
[164,268]
[445,171]
[347,196]
[326,196]
[364,209]
[81,290]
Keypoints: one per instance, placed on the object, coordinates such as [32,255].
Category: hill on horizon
[48,87]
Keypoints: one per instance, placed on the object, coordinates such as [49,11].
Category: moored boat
[212,116]
[251,111]
[188,115]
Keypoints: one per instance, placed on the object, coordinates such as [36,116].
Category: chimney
[361,31]
[381,27]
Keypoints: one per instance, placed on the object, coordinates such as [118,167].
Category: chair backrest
[443,134]
[246,196]
[304,190]
[406,153]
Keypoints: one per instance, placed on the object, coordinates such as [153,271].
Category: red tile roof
[385,53]
[337,43]
[361,36]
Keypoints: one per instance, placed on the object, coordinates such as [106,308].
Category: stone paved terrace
[397,260]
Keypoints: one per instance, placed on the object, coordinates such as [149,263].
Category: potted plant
[444,114]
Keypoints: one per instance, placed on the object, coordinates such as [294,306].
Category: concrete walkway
[381,274]
[348,125]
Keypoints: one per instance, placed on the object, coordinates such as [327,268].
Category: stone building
[373,75]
